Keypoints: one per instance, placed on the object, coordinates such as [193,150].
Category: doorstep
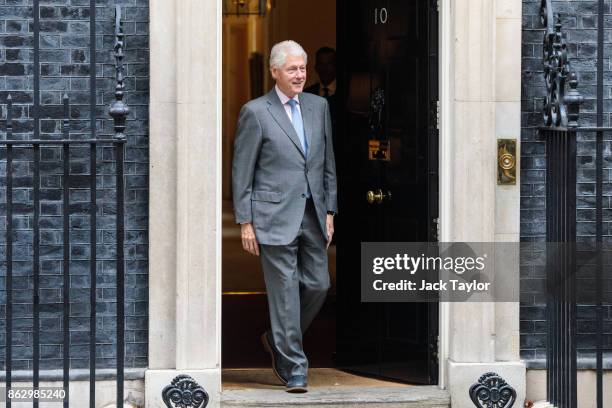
[328,388]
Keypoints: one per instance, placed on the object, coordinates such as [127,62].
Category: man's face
[291,77]
[326,67]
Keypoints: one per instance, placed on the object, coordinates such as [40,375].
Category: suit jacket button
[303,195]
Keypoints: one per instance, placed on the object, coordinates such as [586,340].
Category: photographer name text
[452,285]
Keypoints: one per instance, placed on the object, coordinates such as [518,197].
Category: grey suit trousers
[297,281]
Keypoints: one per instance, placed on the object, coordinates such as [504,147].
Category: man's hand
[329,223]
[249,241]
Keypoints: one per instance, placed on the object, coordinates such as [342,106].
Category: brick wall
[64,57]
[579,19]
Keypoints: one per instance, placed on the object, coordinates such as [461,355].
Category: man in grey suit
[284,188]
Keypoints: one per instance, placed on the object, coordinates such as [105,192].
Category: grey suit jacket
[270,172]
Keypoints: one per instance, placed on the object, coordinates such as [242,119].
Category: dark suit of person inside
[325,65]
[284,191]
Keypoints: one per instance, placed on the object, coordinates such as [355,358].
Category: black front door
[387,150]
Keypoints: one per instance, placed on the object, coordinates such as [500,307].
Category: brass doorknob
[377,196]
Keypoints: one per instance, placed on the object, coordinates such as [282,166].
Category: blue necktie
[298,125]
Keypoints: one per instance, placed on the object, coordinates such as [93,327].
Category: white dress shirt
[331,88]
[284,99]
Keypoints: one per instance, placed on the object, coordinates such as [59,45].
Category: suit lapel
[307,119]
[279,114]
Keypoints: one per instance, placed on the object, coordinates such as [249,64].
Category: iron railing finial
[559,109]
[119,110]
[573,99]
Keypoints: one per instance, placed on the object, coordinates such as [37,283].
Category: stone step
[346,397]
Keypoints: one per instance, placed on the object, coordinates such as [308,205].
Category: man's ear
[273,72]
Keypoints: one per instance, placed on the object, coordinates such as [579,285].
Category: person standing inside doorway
[325,65]
[284,189]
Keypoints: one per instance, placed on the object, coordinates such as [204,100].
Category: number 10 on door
[380,15]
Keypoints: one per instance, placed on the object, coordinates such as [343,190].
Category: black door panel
[387,86]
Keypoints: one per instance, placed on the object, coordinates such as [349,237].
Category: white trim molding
[185,196]
[480,79]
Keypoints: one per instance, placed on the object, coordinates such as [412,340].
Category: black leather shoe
[297,384]
[268,343]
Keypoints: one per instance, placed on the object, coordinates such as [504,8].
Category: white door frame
[444,167]
[186,160]
[445,151]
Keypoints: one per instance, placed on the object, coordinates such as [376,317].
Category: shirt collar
[331,87]
[284,98]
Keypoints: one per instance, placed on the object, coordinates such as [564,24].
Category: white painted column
[162,186]
[185,275]
[481,103]
[508,126]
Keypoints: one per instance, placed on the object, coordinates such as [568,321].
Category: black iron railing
[571,252]
[35,146]
[579,259]
[560,116]
[560,278]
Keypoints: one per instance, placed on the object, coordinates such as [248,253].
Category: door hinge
[434,347]
[434,114]
[436,229]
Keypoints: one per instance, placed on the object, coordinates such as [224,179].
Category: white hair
[280,51]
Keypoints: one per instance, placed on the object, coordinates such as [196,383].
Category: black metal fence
[579,259]
[560,278]
[576,259]
[85,176]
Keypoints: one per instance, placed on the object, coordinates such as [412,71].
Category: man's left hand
[329,223]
